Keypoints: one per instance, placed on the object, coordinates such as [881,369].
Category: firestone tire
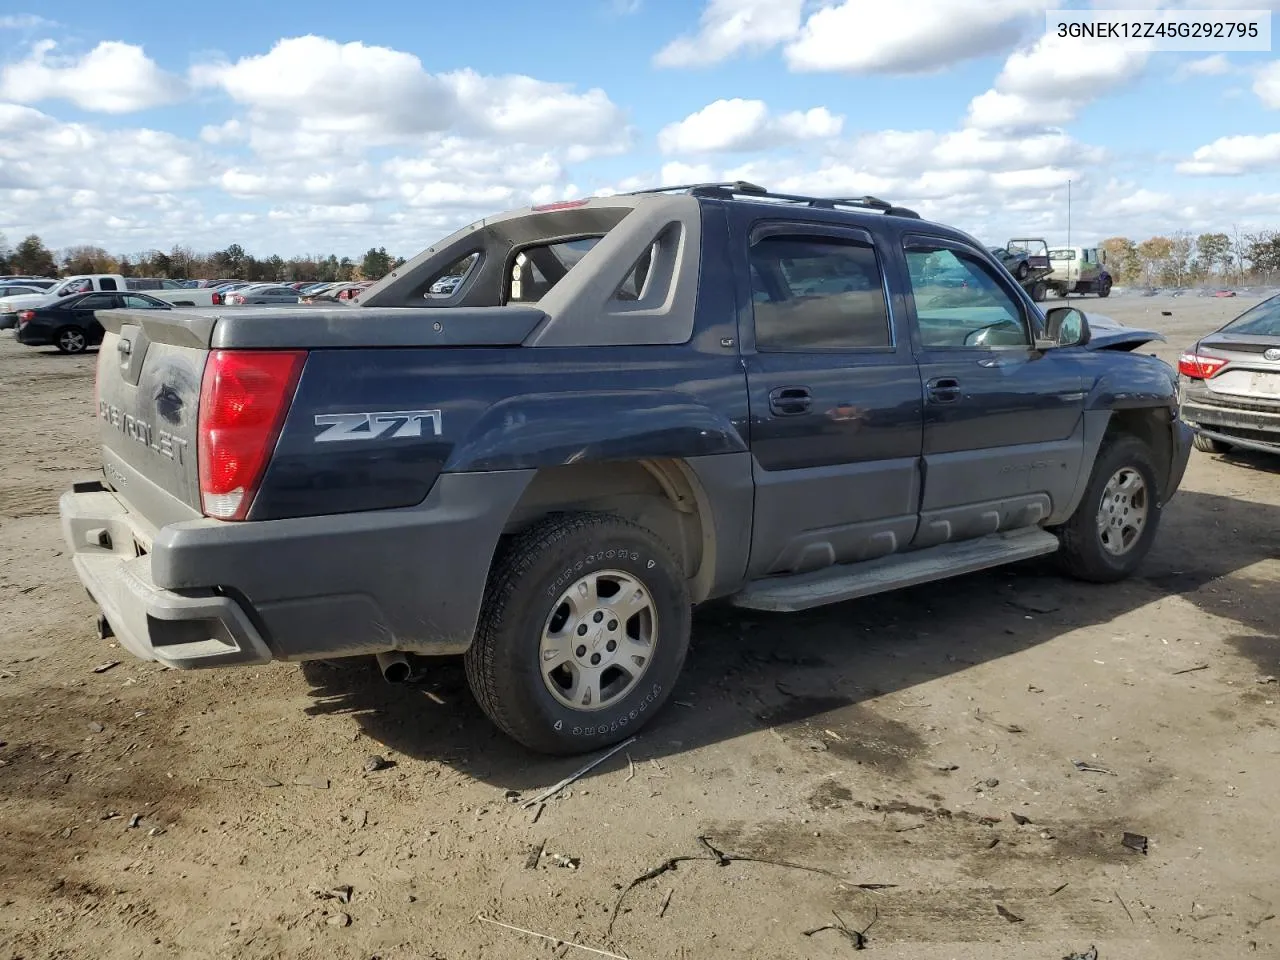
[1122,485]
[536,600]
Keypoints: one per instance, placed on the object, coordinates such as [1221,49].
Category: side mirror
[1064,327]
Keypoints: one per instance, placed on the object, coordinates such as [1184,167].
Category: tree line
[32,257]
[1183,260]
[1180,259]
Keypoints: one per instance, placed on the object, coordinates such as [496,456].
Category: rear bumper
[214,594]
[1251,429]
[191,628]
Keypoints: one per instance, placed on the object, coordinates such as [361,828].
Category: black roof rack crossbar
[728,186]
[741,188]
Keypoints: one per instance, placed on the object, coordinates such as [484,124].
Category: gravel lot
[899,741]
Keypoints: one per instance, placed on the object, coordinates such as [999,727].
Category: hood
[25,302]
[1108,334]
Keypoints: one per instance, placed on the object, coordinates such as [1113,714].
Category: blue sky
[290,127]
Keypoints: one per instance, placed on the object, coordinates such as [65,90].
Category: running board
[853,580]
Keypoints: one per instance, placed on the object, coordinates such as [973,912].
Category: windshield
[1262,321]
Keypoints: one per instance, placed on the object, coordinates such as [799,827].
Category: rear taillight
[25,317]
[1198,366]
[216,299]
[243,401]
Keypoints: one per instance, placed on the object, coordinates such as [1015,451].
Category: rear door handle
[789,401]
[944,389]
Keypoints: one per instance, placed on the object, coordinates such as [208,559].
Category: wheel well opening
[661,495]
[1153,428]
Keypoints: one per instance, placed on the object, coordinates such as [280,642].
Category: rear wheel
[71,340]
[1039,291]
[1104,288]
[584,631]
[1111,532]
[1021,270]
[1209,445]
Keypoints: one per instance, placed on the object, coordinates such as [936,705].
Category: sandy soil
[889,742]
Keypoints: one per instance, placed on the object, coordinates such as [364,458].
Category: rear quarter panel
[486,409]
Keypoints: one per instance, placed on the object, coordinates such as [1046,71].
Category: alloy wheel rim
[73,340]
[1123,512]
[598,641]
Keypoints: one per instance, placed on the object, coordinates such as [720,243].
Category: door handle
[789,401]
[944,389]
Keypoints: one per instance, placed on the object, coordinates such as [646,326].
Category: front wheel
[1104,288]
[1111,532]
[71,340]
[584,631]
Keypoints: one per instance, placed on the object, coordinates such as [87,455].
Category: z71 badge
[381,425]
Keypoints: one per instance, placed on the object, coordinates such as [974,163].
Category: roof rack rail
[732,186]
[741,188]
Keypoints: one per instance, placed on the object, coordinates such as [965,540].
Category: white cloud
[909,36]
[1216,65]
[376,96]
[1231,156]
[526,110]
[1047,84]
[1266,85]
[38,152]
[24,21]
[232,131]
[740,125]
[729,27]
[113,77]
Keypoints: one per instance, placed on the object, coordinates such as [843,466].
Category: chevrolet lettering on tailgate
[161,441]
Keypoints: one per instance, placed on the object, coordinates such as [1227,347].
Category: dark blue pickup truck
[615,409]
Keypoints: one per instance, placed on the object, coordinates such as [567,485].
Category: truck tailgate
[148,393]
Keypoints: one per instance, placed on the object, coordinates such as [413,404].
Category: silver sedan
[1230,383]
[266,293]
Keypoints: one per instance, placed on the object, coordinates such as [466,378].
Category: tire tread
[510,568]
[1078,555]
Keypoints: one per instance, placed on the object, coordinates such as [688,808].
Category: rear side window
[817,293]
[98,301]
[537,269]
[107,284]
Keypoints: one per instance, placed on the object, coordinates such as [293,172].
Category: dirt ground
[899,741]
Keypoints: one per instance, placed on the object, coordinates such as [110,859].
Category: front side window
[817,293]
[960,303]
[107,283]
